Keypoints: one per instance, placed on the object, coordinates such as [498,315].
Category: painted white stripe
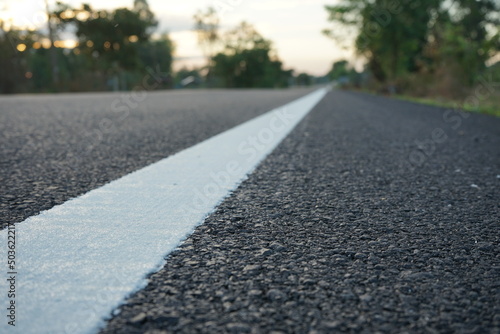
[78,261]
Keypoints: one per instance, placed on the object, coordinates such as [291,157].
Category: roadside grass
[488,106]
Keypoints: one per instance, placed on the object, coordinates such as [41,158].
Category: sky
[294,26]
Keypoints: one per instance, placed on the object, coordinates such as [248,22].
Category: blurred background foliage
[239,58]
[439,49]
[444,49]
[114,51]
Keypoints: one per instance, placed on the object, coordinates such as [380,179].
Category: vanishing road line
[78,261]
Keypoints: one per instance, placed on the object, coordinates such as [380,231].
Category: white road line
[78,261]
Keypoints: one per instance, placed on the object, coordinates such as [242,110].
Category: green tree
[463,39]
[118,43]
[303,79]
[110,37]
[339,69]
[15,50]
[248,60]
[403,39]
[156,56]
[390,35]
[146,16]
[207,30]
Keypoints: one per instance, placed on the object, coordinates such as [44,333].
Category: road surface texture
[373,216]
[337,231]
[56,147]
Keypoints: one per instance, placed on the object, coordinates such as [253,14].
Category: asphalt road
[56,147]
[374,215]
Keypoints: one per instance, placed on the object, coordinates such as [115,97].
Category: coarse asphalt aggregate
[58,146]
[373,216]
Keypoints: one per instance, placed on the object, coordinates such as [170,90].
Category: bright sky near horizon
[294,26]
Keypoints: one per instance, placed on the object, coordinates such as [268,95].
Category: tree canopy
[399,38]
[115,50]
[248,60]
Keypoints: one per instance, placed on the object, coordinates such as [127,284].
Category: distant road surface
[372,216]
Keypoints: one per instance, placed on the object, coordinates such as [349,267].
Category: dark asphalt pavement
[373,216]
[56,147]
[344,228]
